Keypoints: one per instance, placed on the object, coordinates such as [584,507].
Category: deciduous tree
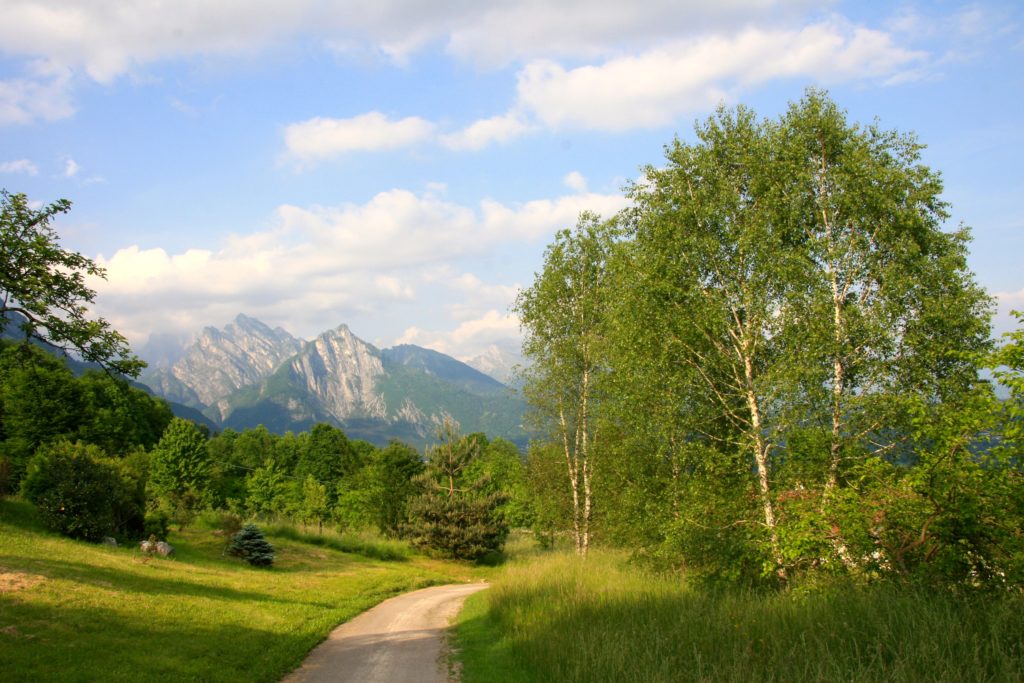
[43,287]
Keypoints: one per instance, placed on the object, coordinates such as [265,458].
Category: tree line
[101,458]
[767,367]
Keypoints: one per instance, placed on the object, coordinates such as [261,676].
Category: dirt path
[397,641]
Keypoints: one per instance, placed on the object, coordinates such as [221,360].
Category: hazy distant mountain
[163,349]
[499,361]
[248,374]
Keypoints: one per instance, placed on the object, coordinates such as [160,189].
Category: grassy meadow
[75,611]
[555,618]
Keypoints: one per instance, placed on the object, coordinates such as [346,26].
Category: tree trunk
[573,480]
[761,451]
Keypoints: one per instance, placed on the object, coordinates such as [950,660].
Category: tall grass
[560,619]
[365,544]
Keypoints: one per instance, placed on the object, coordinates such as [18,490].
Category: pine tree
[251,546]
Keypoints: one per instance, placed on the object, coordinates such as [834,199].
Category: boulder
[161,548]
[112,542]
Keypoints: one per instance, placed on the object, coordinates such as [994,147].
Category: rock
[112,542]
[161,548]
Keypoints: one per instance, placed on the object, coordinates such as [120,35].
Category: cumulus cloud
[317,265]
[575,181]
[43,93]
[19,166]
[654,87]
[485,132]
[71,168]
[324,138]
[470,337]
[108,40]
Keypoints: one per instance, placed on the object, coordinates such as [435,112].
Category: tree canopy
[768,363]
[43,287]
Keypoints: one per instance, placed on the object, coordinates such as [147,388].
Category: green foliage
[180,468]
[768,364]
[78,493]
[156,524]
[501,470]
[250,545]
[43,286]
[315,504]
[455,516]
[266,489]
[41,401]
[392,474]
[328,457]
[118,417]
[564,314]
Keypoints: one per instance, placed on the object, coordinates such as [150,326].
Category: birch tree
[563,315]
[715,275]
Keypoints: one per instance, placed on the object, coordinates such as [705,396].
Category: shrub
[155,525]
[251,546]
[72,490]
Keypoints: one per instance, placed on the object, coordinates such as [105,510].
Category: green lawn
[556,618]
[75,611]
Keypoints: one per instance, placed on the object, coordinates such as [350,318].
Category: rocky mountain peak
[222,361]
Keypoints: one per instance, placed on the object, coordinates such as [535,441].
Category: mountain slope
[337,378]
[445,368]
[222,361]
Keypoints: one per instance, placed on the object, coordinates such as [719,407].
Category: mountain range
[247,374]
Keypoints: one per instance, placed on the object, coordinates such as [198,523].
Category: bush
[72,490]
[251,546]
[156,525]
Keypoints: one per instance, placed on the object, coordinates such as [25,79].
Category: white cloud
[653,88]
[44,93]
[318,265]
[470,337]
[108,39]
[575,181]
[496,129]
[638,64]
[322,138]
[71,168]
[1004,320]
[536,219]
[19,166]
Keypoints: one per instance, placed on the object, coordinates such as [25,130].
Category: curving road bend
[398,641]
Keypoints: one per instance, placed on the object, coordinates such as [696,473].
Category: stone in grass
[161,548]
[250,545]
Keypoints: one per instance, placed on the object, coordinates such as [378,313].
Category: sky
[401,166]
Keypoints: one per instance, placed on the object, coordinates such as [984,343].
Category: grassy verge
[72,611]
[557,619]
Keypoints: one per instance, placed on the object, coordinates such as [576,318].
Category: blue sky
[400,166]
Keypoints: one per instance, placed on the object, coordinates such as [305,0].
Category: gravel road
[398,641]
